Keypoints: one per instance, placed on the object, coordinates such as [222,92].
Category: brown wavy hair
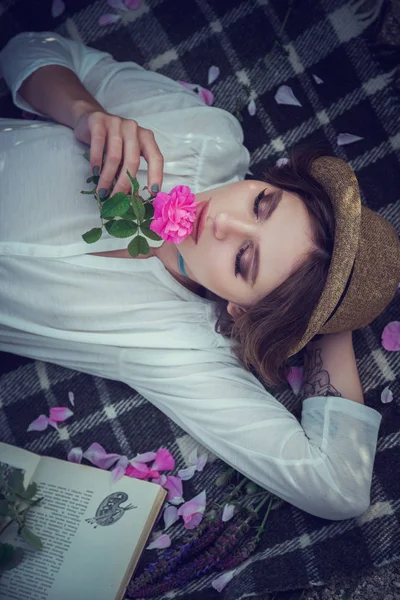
[266,332]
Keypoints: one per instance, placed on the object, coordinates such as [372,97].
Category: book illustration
[110,510]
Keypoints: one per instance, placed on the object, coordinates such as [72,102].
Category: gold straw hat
[365,266]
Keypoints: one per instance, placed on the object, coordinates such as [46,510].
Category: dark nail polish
[96,171]
[102,193]
[155,188]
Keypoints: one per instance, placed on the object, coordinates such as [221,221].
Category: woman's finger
[131,157]
[97,145]
[114,155]
[155,160]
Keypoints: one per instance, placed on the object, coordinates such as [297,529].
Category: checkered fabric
[253,46]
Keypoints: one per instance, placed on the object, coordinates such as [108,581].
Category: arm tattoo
[316,379]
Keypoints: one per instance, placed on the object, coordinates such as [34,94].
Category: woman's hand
[124,141]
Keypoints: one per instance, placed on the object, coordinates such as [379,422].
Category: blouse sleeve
[323,465]
[27,52]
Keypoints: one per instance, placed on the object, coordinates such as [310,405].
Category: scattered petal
[57,8]
[317,79]
[75,455]
[221,581]
[207,96]
[53,424]
[347,138]
[71,398]
[295,378]
[281,162]
[249,172]
[117,473]
[192,458]
[146,457]
[132,4]
[251,107]
[391,336]
[174,487]
[187,473]
[164,461]
[213,74]
[39,424]
[60,413]
[164,541]
[191,521]
[228,512]
[202,461]
[137,470]
[170,516]
[193,506]
[117,4]
[108,19]
[285,95]
[160,480]
[99,457]
[386,396]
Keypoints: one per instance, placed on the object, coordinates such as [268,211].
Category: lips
[200,221]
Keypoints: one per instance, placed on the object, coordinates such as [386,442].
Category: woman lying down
[287,263]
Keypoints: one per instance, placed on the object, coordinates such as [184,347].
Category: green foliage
[15,503]
[138,208]
[134,183]
[152,235]
[121,228]
[148,211]
[138,245]
[93,235]
[115,206]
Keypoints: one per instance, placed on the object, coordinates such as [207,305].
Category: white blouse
[130,320]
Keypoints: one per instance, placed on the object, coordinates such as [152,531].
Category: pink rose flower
[174,214]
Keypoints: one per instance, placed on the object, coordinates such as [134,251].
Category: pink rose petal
[164,541]
[195,505]
[170,516]
[228,512]
[191,521]
[160,480]
[99,457]
[174,215]
[117,473]
[386,396]
[164,461]
[207,96]
[145,457]
[116,4]
[220,582]
[57,8]
[251,107]
[174,487]
[347,138]
[186,474]
[213,74]
[137,470]
[53,424]
[60,413]
[285,95]
[108,19]
[39,424]
[201,462]
[295,378]
[317,79]
[75,455]
[391,336]
[71,398]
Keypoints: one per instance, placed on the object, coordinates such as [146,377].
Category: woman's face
[247,239]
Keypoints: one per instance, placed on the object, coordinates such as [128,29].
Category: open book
[93,532]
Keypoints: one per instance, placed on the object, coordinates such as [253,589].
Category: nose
[226,225]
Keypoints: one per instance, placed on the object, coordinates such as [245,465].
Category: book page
[16,458]
[89,528]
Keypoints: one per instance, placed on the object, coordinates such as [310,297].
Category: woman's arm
[330,368]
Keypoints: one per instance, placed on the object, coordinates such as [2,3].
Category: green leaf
[137,246]
[115,206]
[149,233]
[30,538]
[30,491]
[138,208]
[148,211]
[93,235]
[121,228]
[10,557]
[129,214]
[16,481]
[134,183]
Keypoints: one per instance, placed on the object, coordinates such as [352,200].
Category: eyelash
[243,250]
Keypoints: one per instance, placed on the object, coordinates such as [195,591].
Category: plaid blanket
[257,46]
